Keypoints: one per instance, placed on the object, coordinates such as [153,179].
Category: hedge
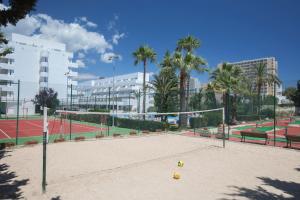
[137,124]
[207,119]
[120,122]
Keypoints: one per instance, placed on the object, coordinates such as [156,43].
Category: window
[44,69]
[43,79]
[44,59]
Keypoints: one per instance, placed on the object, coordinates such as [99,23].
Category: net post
[70,137]
[223,122]
[274,113]
[108,118]
[18,104]
[139,110]
[45,131]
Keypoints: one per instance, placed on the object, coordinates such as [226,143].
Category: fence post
[223,123]
[18,104]
[108,118]
[95,102]
[129,109]
[274,114]
[139,109]
[71,109]
[45,130]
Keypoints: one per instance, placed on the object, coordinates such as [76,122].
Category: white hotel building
[37,64]
[122,91]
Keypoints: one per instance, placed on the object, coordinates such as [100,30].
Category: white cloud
[76,35]
[85,22]
[80,63]
[92,61]
[106,57]
[85,77]
[3,7]
[27,26]
[116,37]
[80,55]
[91,24]
[112,23]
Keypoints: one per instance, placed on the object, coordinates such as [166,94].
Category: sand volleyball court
[142,167]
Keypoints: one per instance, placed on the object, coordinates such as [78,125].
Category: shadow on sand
[290,189]
[9,184]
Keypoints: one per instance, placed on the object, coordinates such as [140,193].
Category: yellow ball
[176,175]
[180,163]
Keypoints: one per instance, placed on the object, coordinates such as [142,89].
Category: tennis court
[32,129]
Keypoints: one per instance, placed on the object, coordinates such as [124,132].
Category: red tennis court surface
[34,127]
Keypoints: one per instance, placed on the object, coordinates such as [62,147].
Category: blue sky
[229,30]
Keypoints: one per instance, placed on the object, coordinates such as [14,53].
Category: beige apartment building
[248,67]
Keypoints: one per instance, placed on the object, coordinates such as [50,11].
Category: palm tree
[263,78]
[164,91]
[143,54]
[227,79]
[186,63]
[187,44]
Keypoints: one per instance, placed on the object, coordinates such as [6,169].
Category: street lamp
[112,58]
[67,74]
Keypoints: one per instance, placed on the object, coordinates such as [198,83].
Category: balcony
[7,88]
[44,64]
[73,65]
[7,66]
[43,84]
[6,77]
[44,74]
[73,74]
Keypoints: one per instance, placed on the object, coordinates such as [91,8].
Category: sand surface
[142,168]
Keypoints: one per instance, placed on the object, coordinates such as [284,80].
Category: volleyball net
[123,123]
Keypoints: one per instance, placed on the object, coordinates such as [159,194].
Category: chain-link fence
[125,107]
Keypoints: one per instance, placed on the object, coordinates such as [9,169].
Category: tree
[144,54]
[47,97]
[186,61]
[15,11]
[293,94]
[165,85]
[196,100]
[227,79]
[210,101]
[263,78]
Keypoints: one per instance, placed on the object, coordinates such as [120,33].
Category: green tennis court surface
[258,139]
[241,128]
[296,122]
[268,128]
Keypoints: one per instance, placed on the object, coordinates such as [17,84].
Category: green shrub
[253,117]
[198,122]
[137,124]
[267,113]
[207,119]
[120,122]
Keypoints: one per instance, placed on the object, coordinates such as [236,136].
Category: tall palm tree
[143,54]
[227,79]
[263,77]
[187,45]
[186,63]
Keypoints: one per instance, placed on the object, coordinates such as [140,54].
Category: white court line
[5,134]
[86,126]
[33,124]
